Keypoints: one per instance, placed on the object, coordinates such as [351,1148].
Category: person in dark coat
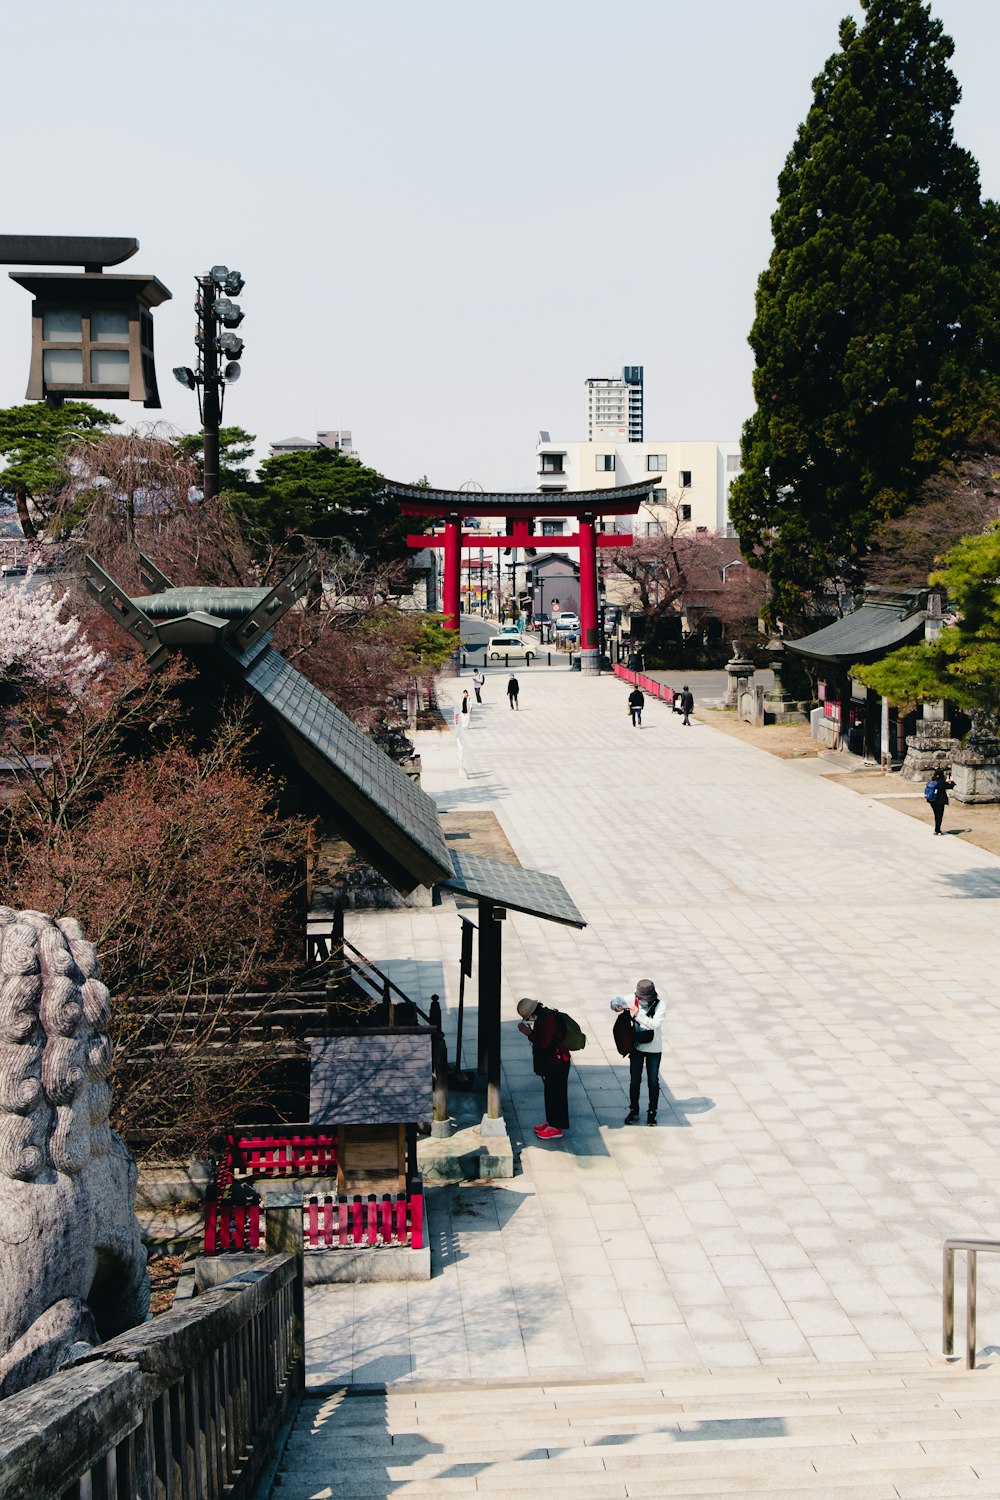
[636,703]
[940,799]
[687,704]
[551,1060]
[513,689]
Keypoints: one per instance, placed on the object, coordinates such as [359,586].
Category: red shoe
[548,1133]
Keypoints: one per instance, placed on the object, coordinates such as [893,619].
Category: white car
[499,646]
[567,622]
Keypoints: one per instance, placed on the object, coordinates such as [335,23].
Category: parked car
[510,630]
[499,646]
[567,622]
[540,620]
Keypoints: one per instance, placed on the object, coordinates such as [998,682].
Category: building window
[552,463]
[656,463]
[685,479]
[685,512]
[553,528]
[604,463]
[732,463]
[653,528]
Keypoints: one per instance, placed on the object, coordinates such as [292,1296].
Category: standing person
[466,709]
[687,704]
[478,679]
[636,703]
[647,1014]
[551,1061]
[938,797]
[513,689]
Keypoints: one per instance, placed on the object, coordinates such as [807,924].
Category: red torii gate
[518,509]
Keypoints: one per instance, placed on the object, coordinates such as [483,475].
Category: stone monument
[72,1264]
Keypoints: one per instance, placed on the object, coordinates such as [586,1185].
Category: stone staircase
[894,1432]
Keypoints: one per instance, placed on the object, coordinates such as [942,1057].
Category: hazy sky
[448,214]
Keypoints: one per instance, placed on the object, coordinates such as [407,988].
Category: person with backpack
[550,1056]
[478,679]
[636,703]
[936,792]
[647,1011]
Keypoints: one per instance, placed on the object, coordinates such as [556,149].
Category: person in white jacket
[648,1011]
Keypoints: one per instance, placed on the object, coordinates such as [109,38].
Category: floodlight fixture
[229,313]
[233,284]
[229,345]
[218,274]
[185,376]
[231,373]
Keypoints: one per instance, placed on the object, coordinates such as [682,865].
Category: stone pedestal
[930,748]
[975,770]
[779,708]
[739,677]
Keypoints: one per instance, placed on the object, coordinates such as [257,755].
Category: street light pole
[211,403]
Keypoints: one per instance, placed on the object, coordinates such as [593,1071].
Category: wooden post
[283,1236]
[490,917]
[439,1062]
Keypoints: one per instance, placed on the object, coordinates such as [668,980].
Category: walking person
[513,689]
[466,709]
[551,1061]
[936,792]
[648,1012]
[636,703]
[478,679]
[687,704]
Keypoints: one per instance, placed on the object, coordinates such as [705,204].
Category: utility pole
[212,399]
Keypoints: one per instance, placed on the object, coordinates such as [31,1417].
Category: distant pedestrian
[636,703]
[551,1061]
[647,1014]
[687,704]
[466,708]
[477,682]
[936,792]
[513,689]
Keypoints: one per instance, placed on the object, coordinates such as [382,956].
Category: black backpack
[574,1038]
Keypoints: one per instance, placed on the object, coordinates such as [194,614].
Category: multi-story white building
[614,406]
[340,439]
[694,480]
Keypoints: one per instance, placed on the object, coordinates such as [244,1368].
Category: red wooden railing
[276,1153]
[646,684]
[328,1222]
[392,1219]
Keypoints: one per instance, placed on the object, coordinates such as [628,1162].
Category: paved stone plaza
[831,1065]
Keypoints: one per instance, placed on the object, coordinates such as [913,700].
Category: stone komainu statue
[72,1264]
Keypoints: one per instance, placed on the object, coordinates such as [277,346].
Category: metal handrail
[972,1249]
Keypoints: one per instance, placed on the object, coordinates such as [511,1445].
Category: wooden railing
[646,684]
[329,1222]
[186,1406]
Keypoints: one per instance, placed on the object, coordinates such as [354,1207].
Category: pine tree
[876,329]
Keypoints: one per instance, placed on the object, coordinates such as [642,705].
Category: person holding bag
[647,1012]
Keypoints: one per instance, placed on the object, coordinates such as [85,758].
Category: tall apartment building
[694,480]
[614,406]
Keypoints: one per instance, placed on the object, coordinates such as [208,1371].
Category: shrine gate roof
[623,501]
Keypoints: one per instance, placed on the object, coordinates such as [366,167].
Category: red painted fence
[646,684]
[328,1223]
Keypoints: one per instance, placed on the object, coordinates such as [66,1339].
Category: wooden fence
[329,1222]
[186,1407]
[646,684]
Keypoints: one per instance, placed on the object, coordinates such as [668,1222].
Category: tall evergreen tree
[876,329]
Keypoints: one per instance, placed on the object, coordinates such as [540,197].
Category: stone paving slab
[831,1069]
